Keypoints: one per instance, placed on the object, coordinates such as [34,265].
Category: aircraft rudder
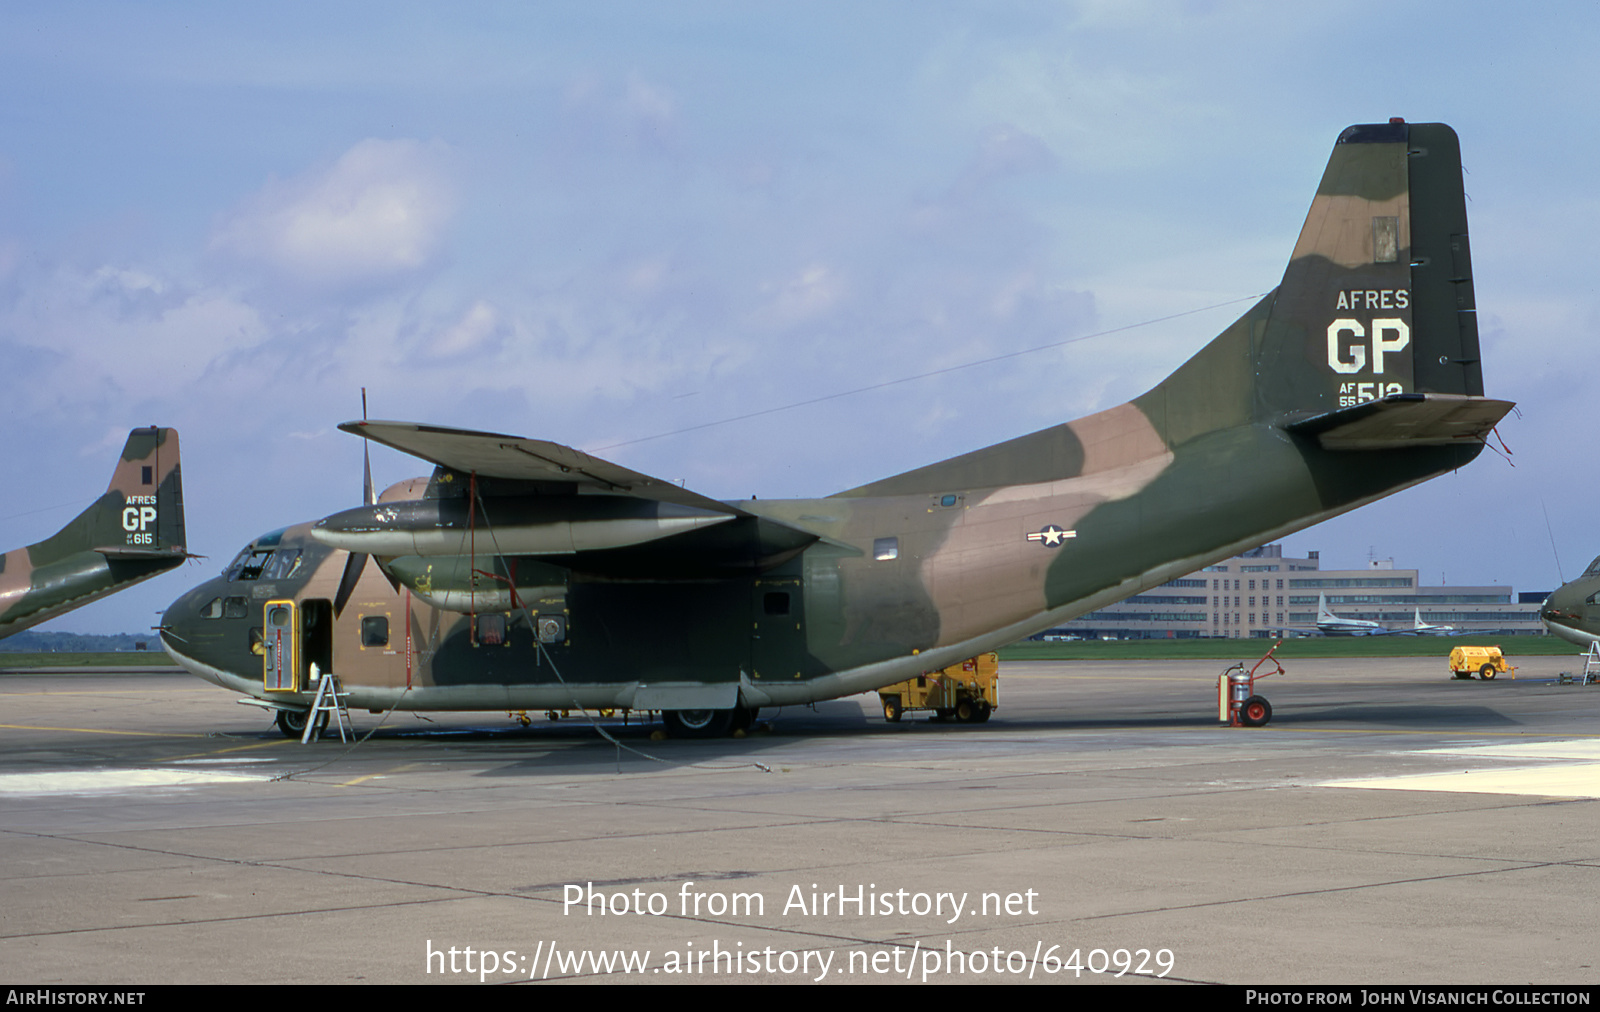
[1444,302]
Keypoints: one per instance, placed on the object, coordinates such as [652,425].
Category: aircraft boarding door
[280,639]
[778,646]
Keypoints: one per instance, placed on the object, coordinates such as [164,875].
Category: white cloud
[814,291]
[122,332]
[474,332]
[636,114]
[380,210]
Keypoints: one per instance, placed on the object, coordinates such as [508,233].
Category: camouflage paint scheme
[131,533]
[1572,611]
[1358,376]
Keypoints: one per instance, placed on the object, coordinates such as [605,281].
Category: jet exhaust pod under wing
[1357,377]
[132,532]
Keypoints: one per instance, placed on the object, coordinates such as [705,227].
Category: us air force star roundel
[1051,536]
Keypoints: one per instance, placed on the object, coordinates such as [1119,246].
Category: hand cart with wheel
[1237,702]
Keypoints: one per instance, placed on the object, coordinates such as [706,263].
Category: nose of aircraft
[1562,616]
[178,621]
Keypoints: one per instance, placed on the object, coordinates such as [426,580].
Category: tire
[292,724]
[967,712]
[1486,672]
[697,723]
[744,717]
[892,710]
[1462,674]
[985,711]
[1256,712]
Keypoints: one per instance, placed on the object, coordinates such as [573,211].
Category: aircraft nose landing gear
[292,723]
[1237,702]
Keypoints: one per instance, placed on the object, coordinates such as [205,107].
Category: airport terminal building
[1264,594]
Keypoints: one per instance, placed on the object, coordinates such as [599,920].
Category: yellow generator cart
[969,691]
[1485,661]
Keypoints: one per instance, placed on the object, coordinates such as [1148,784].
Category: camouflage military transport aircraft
[132,532]
[529,575]
[1572,611]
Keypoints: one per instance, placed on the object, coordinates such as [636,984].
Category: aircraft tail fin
[140,515]
[1371,340]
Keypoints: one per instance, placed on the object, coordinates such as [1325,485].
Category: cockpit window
[249,564]
[285,563]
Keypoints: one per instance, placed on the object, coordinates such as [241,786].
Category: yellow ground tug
[969,691]
[1486,661]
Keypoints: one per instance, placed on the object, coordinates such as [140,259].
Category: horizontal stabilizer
[122,552]
[1405,420]
[492,455]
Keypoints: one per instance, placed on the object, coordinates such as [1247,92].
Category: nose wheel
[292,723]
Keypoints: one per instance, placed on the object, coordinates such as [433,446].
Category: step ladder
[1591,665]
[330,701]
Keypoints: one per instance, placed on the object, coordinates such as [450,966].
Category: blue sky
[597,223]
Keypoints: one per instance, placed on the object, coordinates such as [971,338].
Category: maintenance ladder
[330,701]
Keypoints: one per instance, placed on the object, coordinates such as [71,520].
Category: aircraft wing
[494,455]
[1405,420]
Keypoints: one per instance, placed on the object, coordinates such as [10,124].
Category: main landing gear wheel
[698,723]
[1486,672]
[293,724]
[1255,712]
[744,717]
[892,710]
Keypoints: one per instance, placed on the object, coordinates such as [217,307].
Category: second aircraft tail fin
[140,515]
